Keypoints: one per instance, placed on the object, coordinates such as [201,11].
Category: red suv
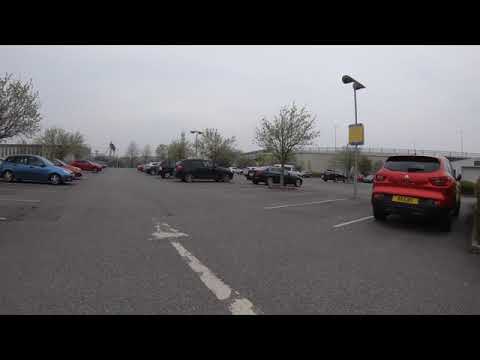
[417,185]
[86,165]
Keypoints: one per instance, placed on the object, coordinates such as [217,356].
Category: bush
[468,187]
[477,207]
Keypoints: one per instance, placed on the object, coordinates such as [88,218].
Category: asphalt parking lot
[122,242]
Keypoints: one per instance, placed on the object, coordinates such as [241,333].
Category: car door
[20,168]
[210,171]
[37,171]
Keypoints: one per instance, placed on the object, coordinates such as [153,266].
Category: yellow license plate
[405,199]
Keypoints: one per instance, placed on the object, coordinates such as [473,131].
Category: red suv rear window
[412,164]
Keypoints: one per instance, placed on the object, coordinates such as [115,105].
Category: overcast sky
[422,95]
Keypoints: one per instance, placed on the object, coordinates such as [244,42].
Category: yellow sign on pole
[356,134]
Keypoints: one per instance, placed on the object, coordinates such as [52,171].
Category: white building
[469,168]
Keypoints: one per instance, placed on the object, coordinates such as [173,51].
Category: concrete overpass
[320,158]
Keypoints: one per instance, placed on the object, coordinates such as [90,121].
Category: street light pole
[356,86]
[355,169]
[461,141]
[196,132]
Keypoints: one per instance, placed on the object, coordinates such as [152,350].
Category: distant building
[469,168]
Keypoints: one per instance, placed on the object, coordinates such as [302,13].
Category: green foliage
[179,149]
[377,165]
[213,146]
[364,165]
[63,143]
[264,159]
[477,207]
[468,187]
[292,128]
[19,108]
[345,160]
[243,162]
[162,152]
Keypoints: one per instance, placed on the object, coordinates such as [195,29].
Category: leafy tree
[19,108]
[162,152]
[292,128]
[364,165]
[179,149]
[62,143]
[377,165]
[264,159]
[132,152]
[146,153]
[215,147]
[345,160]
[243,162]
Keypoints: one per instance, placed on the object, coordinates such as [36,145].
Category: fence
[34,149]
[392,151]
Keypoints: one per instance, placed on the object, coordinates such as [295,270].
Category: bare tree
[291,128]
[19,108]
[162,152]
[217,148]
[146,153]
[132,152]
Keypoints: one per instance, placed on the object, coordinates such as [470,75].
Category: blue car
[33,168]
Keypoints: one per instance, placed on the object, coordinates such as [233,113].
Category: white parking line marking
[3,218]
[237,304]
[165,231]
[35,201]
[223,292]
[353,221]
[302,204]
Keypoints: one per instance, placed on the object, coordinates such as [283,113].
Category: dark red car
[86,165]
[417,185]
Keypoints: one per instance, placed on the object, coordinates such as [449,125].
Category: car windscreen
[412,164]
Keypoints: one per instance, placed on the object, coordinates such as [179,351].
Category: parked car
[333,175]
[360,178]
[102,164]
[417,185]
[140,167]
[33,168]
[151,168]
[235,170]
[271,175]
[77,172]
[368,179]
[190,169]
[86,165]
[167,168]
[250,171]
[305,174]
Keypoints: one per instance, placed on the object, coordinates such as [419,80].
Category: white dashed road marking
[302,204]
[353,221]
[34,201]
[236,304]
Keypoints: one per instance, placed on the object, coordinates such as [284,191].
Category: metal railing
[33,149]
[391,151]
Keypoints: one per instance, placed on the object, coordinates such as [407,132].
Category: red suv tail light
[440,181]
[380,178]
